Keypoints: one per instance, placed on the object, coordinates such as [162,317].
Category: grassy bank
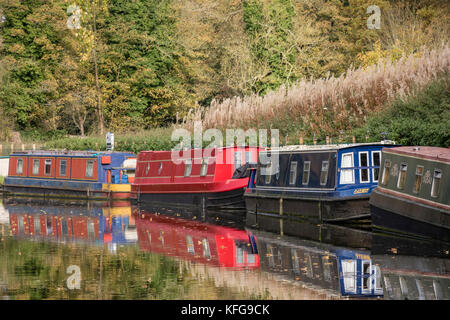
[155,139]
[1,180]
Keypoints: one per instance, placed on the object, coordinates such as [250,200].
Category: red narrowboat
[205,178]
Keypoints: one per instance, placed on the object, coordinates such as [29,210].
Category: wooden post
[34,146]
[315,140]
[23,147]
[328,139]
[353,139]
[301,140]
[281,217]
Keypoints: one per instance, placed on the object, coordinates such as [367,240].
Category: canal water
[51,249]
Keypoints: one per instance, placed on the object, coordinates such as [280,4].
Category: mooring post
[203,207]
[281,217]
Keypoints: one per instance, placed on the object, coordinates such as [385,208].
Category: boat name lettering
[358,191]
[362,256]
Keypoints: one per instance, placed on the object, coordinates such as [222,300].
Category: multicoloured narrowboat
[203,178]
[327,183]
[196,241]
[413,195]
[94,222]
[342,272]
[71,174]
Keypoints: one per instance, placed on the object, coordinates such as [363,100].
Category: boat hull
[399,215]
[66,189]
[315,211]
[225,200]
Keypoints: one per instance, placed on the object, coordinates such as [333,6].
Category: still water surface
[95,250]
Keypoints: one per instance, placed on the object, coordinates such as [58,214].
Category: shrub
[420,119]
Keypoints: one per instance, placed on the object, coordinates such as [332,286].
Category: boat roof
[423,152]
[329,147]
[66,153]
[212,148]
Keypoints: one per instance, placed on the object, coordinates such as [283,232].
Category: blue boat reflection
[343,271]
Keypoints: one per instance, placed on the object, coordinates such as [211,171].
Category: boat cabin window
[293,173]
[160,168]
[306,170]
[63,168]
[376,161]
[366,269]
[187,168]
[386,170]
[37,225]
[237,160]
[249,157]
[90,168]
[418,183]
[206,249]
[324,173]
[436,183]
[204,167]
[190,245]
[402,176]
[364,162]
[19,169]
[35,166]
[268,170]
[347,175]
[48,166]
[349,275]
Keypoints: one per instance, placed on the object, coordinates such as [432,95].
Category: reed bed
[329,105]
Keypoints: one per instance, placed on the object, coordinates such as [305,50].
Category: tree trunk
[97,85]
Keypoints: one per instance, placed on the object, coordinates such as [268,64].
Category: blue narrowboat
[71,174]
[320,183]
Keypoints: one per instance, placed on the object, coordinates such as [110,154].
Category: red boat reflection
[196,241]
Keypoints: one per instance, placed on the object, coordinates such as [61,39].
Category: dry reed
[328,105]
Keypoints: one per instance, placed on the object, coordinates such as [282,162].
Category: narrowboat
[344,272]
[196,241]
[320,183]
[94,222]
[71,174]
[201,178]
[413,196]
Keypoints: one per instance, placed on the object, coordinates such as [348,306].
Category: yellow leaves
[16,48]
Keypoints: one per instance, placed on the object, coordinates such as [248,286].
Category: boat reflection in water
[56,220]
[412,269]
[196,241]
[342,271]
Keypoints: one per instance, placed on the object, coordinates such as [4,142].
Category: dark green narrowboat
[413,195]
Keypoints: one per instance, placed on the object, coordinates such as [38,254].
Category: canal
[50,249]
